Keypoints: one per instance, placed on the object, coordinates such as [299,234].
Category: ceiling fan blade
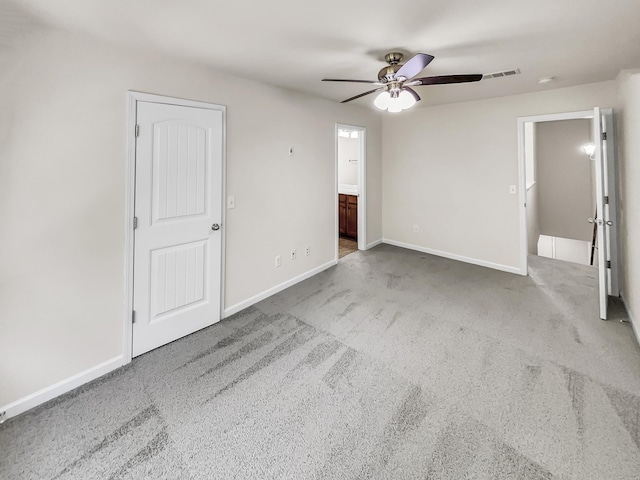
[352,81]
[414,65]
[444,79]
[363,94]
[413,92]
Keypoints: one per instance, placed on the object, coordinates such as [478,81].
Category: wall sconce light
[589,149]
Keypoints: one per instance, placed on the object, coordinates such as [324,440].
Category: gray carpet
[391,365]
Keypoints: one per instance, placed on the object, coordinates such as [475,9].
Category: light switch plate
[512,189]
[231,201]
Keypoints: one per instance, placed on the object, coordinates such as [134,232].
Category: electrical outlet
[278,261]
[293,254]
[231,201]
[416,228]
[307,251]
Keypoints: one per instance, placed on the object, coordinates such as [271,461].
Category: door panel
[603,288]
[352,216]
[611,192]
[342,214]
[177,277]
[177,266]
[179,163]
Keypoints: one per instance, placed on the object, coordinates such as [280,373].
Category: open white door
[611,203]
[603,277]
[178,209]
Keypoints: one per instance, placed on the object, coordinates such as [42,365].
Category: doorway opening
[351,189]
[568,208]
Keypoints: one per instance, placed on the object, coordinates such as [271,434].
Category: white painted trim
[374,244]
[183,102]
[59,388]
[634,325]
[133,99]
[277,289]
[554,117]
[336,206]
[130,175]
[522,198]
[362,185]
[453,256]
[223,225]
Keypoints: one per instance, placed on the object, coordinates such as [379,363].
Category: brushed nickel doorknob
[215,227]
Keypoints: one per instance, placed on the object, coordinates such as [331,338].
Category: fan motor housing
[388,72]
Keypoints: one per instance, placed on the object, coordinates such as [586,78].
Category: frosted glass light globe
[395,105]
[382,101]
[406,100]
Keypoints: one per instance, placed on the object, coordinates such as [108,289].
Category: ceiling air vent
[506,73]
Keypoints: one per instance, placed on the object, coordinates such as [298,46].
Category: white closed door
[178,209]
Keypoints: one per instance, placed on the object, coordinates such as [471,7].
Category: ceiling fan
[395,81]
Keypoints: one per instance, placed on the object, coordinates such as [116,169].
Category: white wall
[566,197]
[448,169]
[348,160]
[629,174]
[62,192]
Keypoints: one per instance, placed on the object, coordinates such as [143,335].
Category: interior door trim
[522,188]
[362,186]
[133,97]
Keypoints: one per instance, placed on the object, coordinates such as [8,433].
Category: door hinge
[135,222]
[604,135]
[133,316]
[606,200]
[137,131]
[608,263]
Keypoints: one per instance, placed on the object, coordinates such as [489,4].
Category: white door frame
[133,98]
[612,185]
[362,185]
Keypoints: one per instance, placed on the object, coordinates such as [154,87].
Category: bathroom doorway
[351,189]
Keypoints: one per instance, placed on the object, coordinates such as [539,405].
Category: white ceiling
[296,43]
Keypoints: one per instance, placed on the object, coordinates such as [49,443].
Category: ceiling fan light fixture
[395,105]
[382,100]
[397,80]
[406,99]
[395,101]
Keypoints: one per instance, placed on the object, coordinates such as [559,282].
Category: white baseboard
[453,256]
[374,244]
[634,325]
[278,288]
[33,400]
